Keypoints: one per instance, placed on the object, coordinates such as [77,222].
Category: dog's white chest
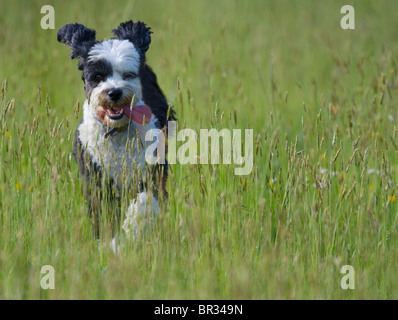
[119,155]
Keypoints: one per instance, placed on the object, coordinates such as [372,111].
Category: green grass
[323,106]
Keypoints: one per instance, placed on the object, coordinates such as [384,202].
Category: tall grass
[323,106]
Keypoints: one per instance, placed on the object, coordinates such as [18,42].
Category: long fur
[116,155]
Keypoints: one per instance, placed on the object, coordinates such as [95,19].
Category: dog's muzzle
[115,110]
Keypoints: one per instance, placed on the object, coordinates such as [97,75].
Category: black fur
[79,39]
[154,97]
[94,72]
[137,33]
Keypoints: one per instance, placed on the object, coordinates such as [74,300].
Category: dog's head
[111,68]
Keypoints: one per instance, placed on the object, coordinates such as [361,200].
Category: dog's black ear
[137,33]
[79,39]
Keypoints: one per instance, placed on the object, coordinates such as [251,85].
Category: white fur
[122,154]
[123,58]
[140,214]
[120,149]
[120,53]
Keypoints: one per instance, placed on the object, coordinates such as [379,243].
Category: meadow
[322,103]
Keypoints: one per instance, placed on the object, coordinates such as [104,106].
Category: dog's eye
[98,77]
[129,75]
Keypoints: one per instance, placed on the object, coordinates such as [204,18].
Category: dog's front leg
[94,204]
[141,214]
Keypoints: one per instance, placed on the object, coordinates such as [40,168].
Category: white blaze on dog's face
[112,81]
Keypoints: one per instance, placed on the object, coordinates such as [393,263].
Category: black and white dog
[123,101]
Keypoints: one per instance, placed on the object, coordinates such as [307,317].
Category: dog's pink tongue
[138,114]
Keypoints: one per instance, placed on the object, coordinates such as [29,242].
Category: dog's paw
[140,214]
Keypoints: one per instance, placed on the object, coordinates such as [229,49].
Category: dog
[123,101]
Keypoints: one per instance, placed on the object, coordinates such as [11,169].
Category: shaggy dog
[123,101]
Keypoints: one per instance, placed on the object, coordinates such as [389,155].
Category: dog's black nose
[115,94]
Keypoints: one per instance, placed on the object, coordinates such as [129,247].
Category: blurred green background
[322,104]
